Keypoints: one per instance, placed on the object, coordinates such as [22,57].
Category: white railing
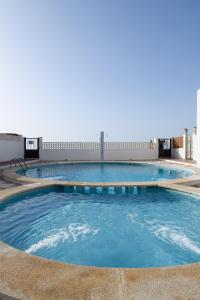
[129,145]
[92,151]
[96,146]
[70,146]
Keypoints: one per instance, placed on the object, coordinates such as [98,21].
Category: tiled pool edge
[24,276]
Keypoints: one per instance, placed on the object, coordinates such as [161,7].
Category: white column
[102,145]
[155,140]
[185,137]
[198,127]
[40,145]
[194,143]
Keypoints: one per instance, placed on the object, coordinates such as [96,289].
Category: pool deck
[28,277]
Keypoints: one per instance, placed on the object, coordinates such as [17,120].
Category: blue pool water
[105,172]
[138,227]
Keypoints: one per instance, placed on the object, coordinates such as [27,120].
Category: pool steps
[112,190]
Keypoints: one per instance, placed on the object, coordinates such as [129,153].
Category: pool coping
[24,276]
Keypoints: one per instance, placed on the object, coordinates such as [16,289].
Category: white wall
[189,150]
[140,154]
[13,147]
[95,154]
[69,154]
[178,153]
[137,154]
[198,128]
[195,147]
[10,148]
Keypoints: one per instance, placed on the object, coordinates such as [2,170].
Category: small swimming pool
[106,172]
[105,227]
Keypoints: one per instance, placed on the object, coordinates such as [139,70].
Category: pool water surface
[135,227]
[106,172]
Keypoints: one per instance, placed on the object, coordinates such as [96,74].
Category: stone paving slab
[29,277]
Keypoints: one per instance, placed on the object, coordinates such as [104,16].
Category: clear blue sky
[69,69]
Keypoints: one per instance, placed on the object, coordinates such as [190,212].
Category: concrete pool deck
[28,277]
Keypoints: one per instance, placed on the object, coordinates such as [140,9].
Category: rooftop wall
[92,151]
[11,147]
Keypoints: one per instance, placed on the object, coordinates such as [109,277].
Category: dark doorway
[31,148]
[164,148]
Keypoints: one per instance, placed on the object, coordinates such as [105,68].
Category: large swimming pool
[105,227]
[106,172]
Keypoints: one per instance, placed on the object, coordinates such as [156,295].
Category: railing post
[102,148]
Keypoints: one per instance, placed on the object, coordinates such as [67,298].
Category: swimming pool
[105,172]
[112,227]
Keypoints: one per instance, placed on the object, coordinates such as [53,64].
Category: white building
[198,128]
